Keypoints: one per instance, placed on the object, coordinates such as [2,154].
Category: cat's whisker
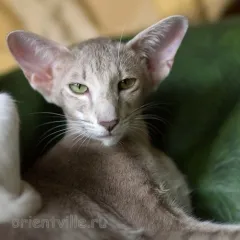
[53,133]
[80,124]
[141,124]
[140,109]
[82,133]
[77,140]
[61,132]
[136,116]
[79,143]
[76,137]
[89,140]
[85,140]
[151,127]
[79,120]
[86,126]
[131,117]
[153,117]
[49,130]
[82,143]
[138,131]
[51,122]
[41,140]
[58,135]
[49,113]
[158,104]
[158,118]
[153,105]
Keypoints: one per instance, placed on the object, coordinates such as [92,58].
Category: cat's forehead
[98,47]
[103,54]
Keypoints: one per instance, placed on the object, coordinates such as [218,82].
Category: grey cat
[104,180]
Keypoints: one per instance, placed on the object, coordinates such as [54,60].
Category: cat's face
[100,84]
[102,89]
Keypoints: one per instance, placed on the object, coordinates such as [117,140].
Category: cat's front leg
[17,198]
[171,181]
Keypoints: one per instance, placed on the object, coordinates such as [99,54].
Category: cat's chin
[110,141]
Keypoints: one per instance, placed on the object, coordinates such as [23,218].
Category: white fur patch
[27,203]
[17,198]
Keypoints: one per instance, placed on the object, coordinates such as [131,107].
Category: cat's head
[100,83]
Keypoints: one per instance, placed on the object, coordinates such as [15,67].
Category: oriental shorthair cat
[104,173]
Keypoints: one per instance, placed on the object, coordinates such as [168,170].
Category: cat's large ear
[37,57]
[158,44]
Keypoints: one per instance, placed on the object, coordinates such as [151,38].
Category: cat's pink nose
[109,125]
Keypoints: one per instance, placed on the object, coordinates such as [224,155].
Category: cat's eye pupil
[126,83]
[78,88]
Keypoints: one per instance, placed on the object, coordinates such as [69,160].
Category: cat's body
[130,182]
[105,172]
[124,185]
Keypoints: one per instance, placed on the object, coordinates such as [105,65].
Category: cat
[104,172]
[16,195]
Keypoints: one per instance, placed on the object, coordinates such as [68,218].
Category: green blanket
[199,105]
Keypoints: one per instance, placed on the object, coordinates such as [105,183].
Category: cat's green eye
[78,88]
[126,83]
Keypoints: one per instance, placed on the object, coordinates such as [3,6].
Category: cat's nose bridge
[106,112]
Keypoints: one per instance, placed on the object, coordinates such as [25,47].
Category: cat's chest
[124,172]
[97,168]
[119,179]
[106,174]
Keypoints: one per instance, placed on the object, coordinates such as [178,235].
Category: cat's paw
[21,206]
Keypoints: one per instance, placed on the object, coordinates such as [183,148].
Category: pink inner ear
[159,43]
[36,57]
[42,83]
[44,86]
[29,60]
